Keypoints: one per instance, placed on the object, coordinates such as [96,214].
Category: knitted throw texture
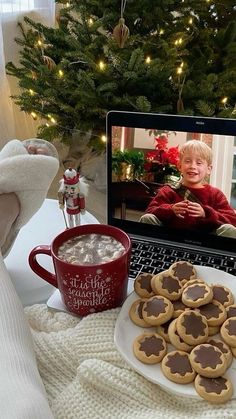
[86,377]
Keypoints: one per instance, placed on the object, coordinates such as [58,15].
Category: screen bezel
[221,126]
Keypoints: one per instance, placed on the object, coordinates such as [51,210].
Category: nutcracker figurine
[71,196]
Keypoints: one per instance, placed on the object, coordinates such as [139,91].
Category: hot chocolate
[90,249]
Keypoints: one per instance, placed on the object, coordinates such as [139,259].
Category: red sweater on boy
[213,201]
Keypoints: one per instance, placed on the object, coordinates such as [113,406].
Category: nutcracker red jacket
[214,202]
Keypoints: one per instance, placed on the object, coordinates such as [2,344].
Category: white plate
[126,331]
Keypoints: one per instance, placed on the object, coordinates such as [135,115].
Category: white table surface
[43,227]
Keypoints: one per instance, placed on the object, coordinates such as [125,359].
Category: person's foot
[10,206]
[38,146]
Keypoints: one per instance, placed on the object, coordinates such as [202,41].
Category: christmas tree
[163,56]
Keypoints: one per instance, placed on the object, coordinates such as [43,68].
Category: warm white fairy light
[53,120]
[39,42]
[190,21]
[161,31]
[148,60]
[102,65]
[179,41]
[31,92]
[104,138]
[34,115]
[90,21]
[60,73]
[224,100]
[179,70]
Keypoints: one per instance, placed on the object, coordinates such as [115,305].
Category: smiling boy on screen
[193,204]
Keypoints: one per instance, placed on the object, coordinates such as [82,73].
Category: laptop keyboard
[154,258]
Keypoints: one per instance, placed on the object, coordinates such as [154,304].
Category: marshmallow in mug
[90,249]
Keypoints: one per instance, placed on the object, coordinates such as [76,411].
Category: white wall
[142,139]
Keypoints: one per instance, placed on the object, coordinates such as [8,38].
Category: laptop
[130,189]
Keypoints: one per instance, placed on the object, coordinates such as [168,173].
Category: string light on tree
[104,138]
[61,73]
[39,42]
[102,65]
[224,100]
[99,75]
[34,115]
[179,41]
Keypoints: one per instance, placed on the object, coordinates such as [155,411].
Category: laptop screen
[173,177]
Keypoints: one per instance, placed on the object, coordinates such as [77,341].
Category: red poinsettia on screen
[163,154]
[163,158]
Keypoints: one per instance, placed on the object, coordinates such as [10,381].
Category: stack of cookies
[187,313]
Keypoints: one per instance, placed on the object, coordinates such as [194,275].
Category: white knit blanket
[86,377]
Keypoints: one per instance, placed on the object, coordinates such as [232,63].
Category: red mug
[87,289]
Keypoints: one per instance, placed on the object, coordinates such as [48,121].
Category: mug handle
[37,268]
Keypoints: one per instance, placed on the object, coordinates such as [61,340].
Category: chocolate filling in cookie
[195,292]
[171,284]
[183,271]
[220,294]
[231,327]
[208,356]
[213,385]
[139,309]
[179,364]
[145,282]
[178,305]
[194,325]
[152,345]
[155,307]
[231,312]
[210,310]
[220,345]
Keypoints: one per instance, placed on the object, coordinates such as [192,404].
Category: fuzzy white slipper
[29,176]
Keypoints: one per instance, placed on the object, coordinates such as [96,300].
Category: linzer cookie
[177,367]
[214,312]
[214,390]
[231,311]
[179,308]
[149,348]
[157,310]
[228,331]
[176,340]
[197,295]
[223,295]
[135,313]
[192,327]
[224,348]
[208,360]
[142,285]
[167,285]
[183,270]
